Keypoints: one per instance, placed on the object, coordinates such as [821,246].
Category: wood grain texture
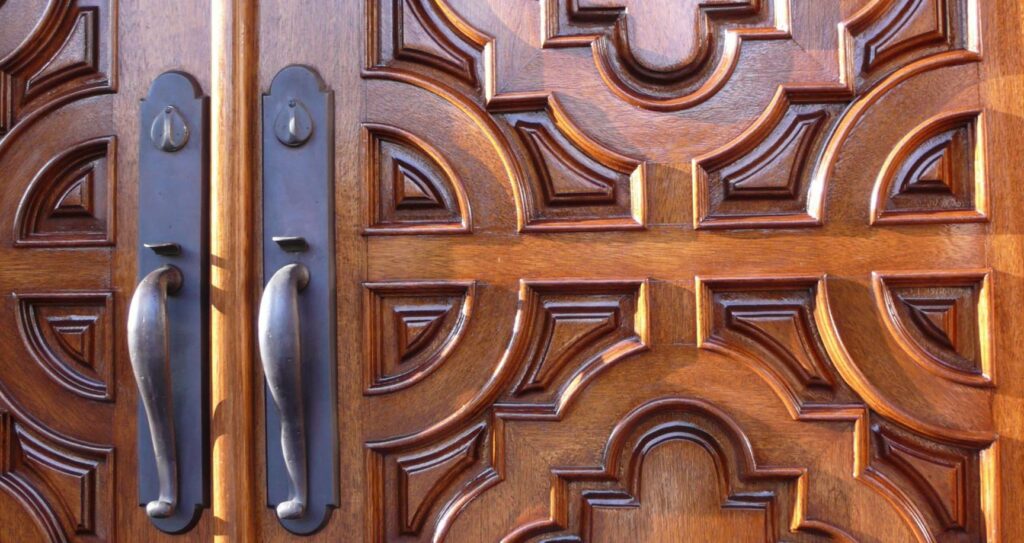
[234,154]
[738,247]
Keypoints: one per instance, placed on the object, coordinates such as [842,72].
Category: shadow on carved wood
[65,486]
[936,173]
[68,57]
[412,187]
[71,337]
[70,202]
[411,330]
[942,320]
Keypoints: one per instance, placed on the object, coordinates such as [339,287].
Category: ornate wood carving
[772,323]
[69,56]
[660,74]
[579,494]
[887,34]
[575,183]
[566,333]
[942,320]
[70,202]
[71,337]
[935,174]
[424,476]
[417,34]
[934,483]
[764,177]
[412,187]
[412,328]
[64,485]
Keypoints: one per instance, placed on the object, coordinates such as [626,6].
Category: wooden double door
[604,270]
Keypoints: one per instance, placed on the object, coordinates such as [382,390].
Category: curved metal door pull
[150,355]
[280,340]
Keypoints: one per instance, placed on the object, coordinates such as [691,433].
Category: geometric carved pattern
[62,484]
[67,57]
[418,35]
[414,486]
[935,174]
[576,184]
[568,332]
[891,33]
[933,478]
[763,178]
[643,68]
[69,203]
[412,187]
[71,337]
[745,502]
[772,324]
[412,328]
[942,320]
[425,475]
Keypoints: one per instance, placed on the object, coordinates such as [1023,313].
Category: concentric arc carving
[935,174]
[411,329]
[942,320]
[71,337]
[70,201]
[67,57]
[412,188]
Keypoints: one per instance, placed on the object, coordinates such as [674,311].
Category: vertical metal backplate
[173,210]
[298,202]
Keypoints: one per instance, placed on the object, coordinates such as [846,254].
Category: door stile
[234,156]
[1002,91]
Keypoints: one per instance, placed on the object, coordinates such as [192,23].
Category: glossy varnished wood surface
[68,150]
[606,262]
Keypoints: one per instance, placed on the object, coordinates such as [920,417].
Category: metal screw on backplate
[169,132]
[293,125]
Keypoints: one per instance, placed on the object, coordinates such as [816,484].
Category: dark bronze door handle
[150,355]
[280,350]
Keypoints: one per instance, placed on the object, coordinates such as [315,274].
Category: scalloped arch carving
[577,493]
[70,202]
[658,74]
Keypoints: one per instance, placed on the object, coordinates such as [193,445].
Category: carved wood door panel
[638,270]
[72,73]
